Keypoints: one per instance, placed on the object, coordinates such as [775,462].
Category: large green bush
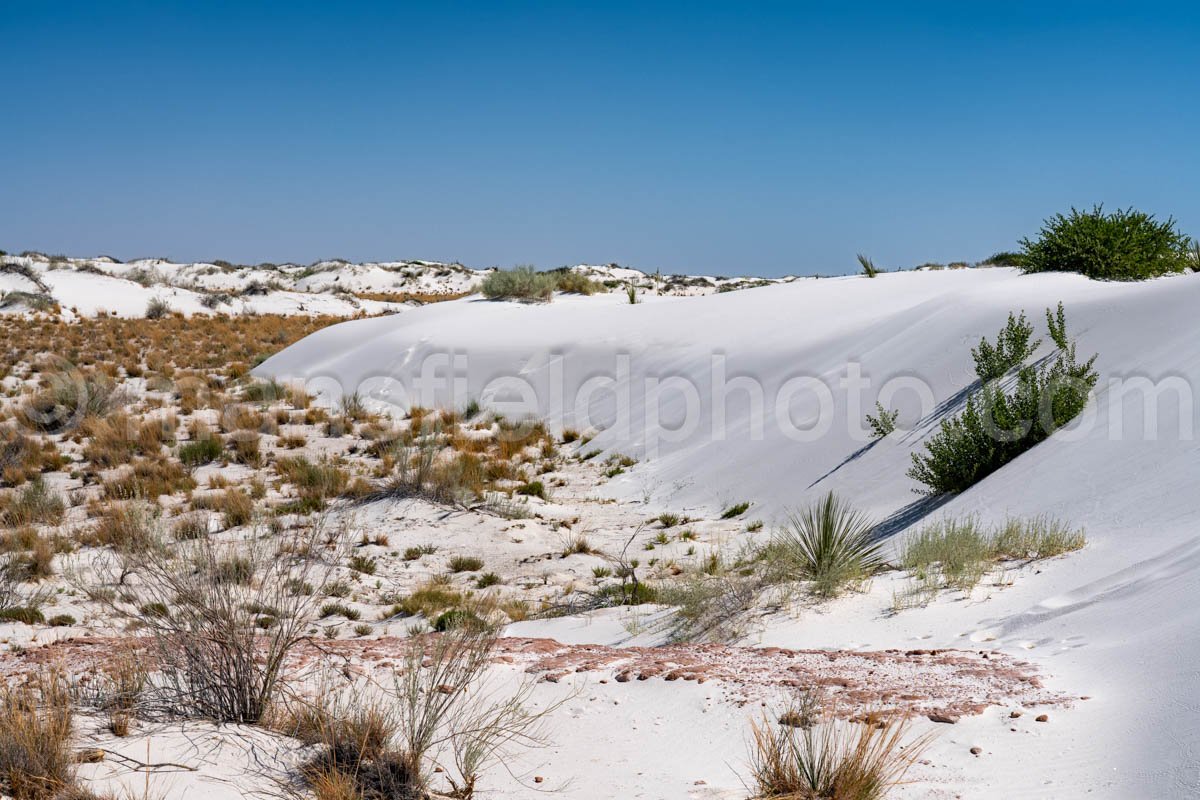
[1127,245]
[1000,423]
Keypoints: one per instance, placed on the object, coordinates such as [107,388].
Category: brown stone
[948,719]
[1042,718]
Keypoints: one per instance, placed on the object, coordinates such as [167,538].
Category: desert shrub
[829,544]
[521,283]
[465,564]
[36,724]
[236,507]
[735,510]
[831,759]
[1013,345]
[69,399]
[1005,258]
[29,615]
[1126,245]
[314,481]
[35,504]
[429,600]
[533,489]
[200,451]
[246,447]
[123,526]
[264,392]
[998,425]
[22,457]
[433,718]
[883,422]
[567,280]
[149,479]
[157,308]
[215,658]
[363,564]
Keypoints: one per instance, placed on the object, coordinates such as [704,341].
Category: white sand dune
[1117,622]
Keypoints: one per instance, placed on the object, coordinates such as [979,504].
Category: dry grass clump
[315,482]
[22,457]
[812,756]
[115,439]
[123,525]
[148,479]
[36,725]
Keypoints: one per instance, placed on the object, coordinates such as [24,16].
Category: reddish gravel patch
[941,683]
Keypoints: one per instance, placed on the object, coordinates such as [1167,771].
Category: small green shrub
[1013,345]
[1127,245]
[466,564]
[521,283]
[533,489]
[735,510]
[998,425]
[26,614]
[200,451]
[61,621]
[363,564]
[414,553]
[884,421]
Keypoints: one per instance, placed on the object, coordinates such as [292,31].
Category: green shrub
[200,451]
[520,283]
[1013,345]
[735,510]
[998,425]
[466,564]
[1005,258]
[829,544]
[883,423]
[533,489]
[26,614]
[1127,245]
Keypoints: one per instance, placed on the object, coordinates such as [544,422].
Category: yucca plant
[868,266]
[829,543]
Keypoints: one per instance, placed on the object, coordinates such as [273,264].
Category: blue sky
[720,138]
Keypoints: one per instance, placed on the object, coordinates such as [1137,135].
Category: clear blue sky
[732,138]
